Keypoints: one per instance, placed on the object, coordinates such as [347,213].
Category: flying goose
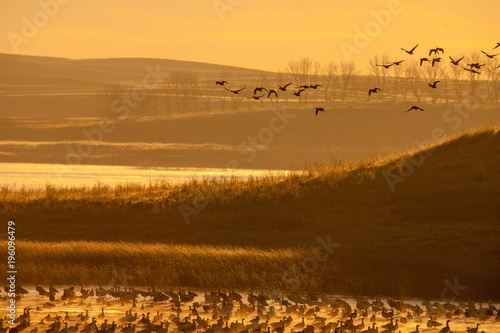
[283,88]
[374,90]
[433,85]
[236,92]
[455,62]
[411,51]
[414,107]
[319,110]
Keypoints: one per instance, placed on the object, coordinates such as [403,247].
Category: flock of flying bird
[473,68]
[222,312]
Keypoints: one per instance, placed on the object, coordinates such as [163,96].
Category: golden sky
[249,33]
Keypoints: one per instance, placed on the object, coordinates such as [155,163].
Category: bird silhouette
[491,56]
[422,60]
[283,88]
[414,107]
[320,110]
[236,92]
[411,51]
[271,91]
[436,50]
[433,85]
[434,60]
[374,90]
[304,86]
[397,62]
[476,65]
[257,97]
[385,66]
[258,89]
[221,83]
[297,93]
[315,86]
[455,62]
[472,70]
[498,44]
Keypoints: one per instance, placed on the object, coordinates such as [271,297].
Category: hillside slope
[401,237]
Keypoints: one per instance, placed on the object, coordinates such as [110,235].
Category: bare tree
[433,73]
[207,92]
[329,77]
[300,71]
[184,88]
[107,98]
[396,79]
[457,74]
[473,57]
[380,72]
[412,77]
[346,73]
[113,98]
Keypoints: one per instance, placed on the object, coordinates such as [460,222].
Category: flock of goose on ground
[223,312]
[472,68]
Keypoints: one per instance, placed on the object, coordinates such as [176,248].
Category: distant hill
[20,69]
[33,86]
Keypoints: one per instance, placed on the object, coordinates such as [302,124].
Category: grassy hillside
[439,220]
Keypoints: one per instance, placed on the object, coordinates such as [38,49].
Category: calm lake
[32,175]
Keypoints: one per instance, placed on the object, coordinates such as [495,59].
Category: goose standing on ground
[432,323]
[417,330]
[414,107]
[446,329]
[411,51]
[101,315]
[300,325]
[455,62]
[473,330]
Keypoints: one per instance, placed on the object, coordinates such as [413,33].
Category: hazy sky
[248,33]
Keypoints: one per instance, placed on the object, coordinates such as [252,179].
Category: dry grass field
[440,222]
